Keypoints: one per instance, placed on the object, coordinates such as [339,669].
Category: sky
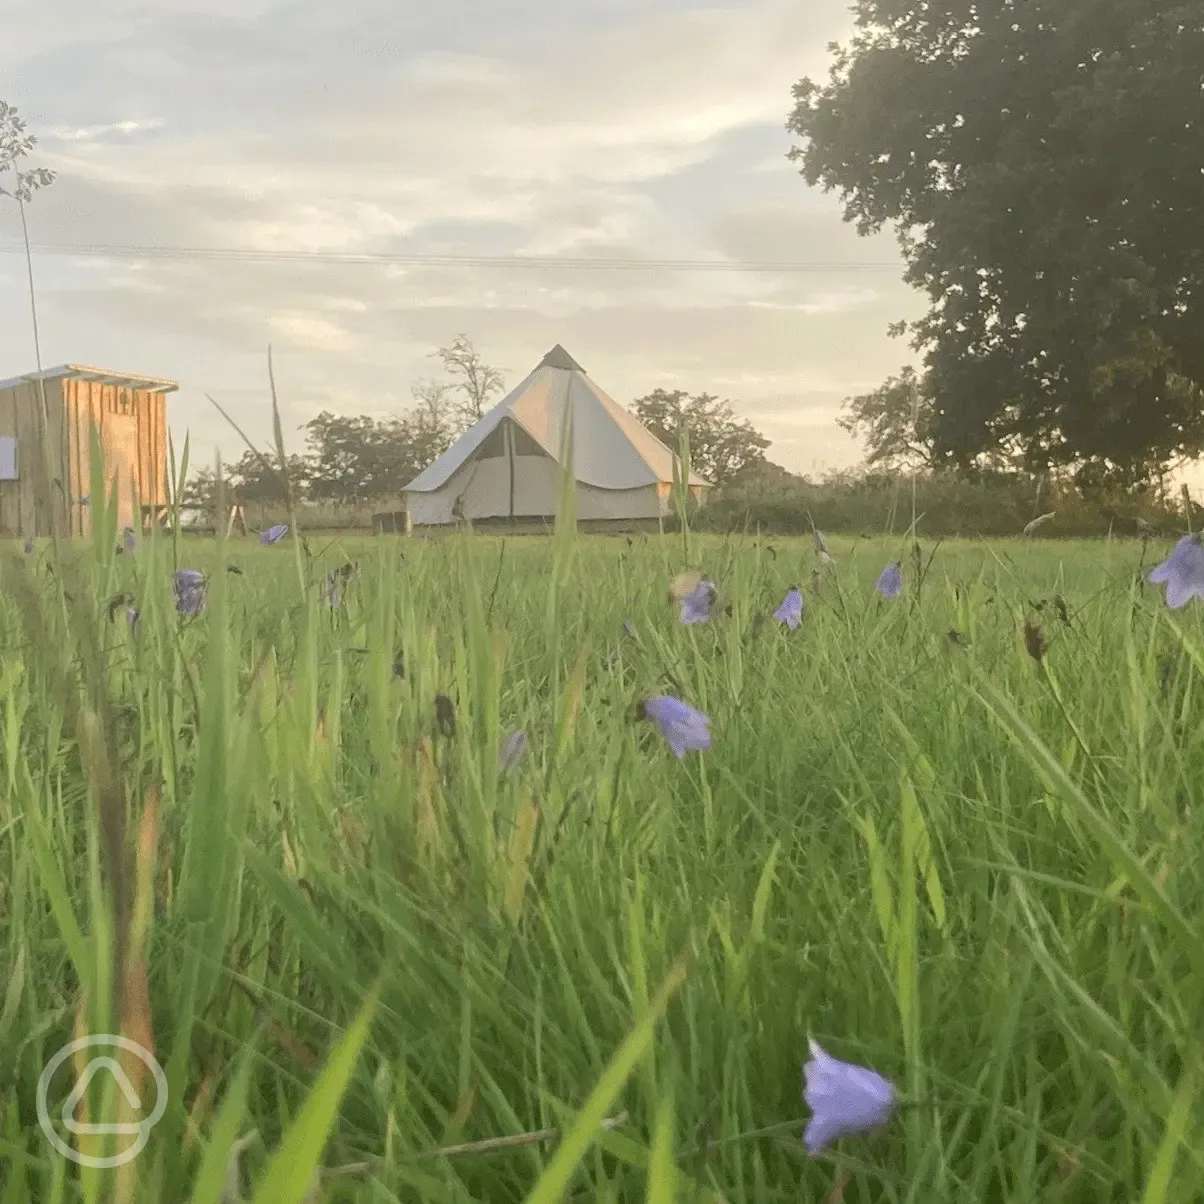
[603,130]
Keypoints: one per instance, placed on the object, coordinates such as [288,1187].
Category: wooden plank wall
[25,503]
[133,434]
[76,416]
[152,448]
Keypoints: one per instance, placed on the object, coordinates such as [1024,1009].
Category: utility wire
[248,255]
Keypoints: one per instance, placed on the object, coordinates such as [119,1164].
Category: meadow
[370,959]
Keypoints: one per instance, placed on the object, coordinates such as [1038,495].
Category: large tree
[355,458]
[255,481]
[1041,161]
[432,425]
[474,383]
[200,490]
[893,421]
[721,445]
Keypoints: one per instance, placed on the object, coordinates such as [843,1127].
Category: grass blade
[290,1170]
[552,1184]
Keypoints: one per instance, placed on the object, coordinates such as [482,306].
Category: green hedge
[870,505]
[944,507]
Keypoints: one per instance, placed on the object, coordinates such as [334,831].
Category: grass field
[245,842]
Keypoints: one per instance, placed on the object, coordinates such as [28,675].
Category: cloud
[792,414]
[823,303]
[310,330]
[62,133]
[776,231]
[611,130]
[469,136]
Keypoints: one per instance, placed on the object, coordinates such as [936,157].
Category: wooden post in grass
[234,515]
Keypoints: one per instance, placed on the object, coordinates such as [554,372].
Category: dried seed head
[512,750]
[684,584]
[445,714]
[1166,668]
[1034,641]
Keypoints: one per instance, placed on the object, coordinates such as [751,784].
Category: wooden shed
[130,413]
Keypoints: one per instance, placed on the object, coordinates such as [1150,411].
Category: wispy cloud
[88,133]
[823,303]
[608,129]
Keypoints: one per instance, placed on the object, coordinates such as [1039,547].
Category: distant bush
[313,516]
[946,506]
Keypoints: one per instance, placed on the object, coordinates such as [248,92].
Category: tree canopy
[893,422]
[353,458]
[721,445]
[1041,162]
[474,383]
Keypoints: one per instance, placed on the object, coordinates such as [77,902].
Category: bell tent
[506,465]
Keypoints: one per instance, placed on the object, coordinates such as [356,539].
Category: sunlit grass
[353,942]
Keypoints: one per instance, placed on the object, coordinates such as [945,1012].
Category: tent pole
[510,458]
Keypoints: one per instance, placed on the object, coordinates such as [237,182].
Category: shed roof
[104,376]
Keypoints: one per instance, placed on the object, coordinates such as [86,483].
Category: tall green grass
[375,968]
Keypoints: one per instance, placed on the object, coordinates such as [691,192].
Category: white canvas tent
[506,465]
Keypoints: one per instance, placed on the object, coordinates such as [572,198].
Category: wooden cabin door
[114,412]
[121,461]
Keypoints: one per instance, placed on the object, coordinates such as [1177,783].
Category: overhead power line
[248,255]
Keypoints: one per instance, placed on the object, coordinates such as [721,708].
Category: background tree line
[354,459]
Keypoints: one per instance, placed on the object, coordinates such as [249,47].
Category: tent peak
[559,358]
